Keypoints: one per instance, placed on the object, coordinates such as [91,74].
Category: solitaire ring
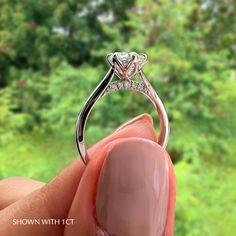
[126,66]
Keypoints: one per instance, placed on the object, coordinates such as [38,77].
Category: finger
[140,126]
[128,189]
[53,201]
[14,188]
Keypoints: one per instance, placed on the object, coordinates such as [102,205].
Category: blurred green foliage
[52,56]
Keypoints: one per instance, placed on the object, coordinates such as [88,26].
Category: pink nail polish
[133,189]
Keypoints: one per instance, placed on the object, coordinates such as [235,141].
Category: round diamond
[124,58]
[113,86]
[119,85]
[126,64]
[126,83]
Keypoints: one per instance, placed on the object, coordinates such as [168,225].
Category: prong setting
[126,64]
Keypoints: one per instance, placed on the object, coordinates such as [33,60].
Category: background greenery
[52,55]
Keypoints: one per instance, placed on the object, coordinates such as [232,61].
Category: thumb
[127,190]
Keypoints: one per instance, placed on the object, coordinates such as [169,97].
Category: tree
[39,35]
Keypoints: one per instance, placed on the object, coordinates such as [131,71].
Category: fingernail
[132,190]
[144,117]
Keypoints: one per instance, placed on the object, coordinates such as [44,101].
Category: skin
[71,193]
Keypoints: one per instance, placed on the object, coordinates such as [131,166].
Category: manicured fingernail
[144,117]
[133,188]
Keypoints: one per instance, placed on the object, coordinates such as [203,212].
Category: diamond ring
[126,66]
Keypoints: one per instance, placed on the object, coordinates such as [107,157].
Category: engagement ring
[126,66]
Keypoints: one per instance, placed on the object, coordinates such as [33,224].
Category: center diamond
[124,58]
[126,64]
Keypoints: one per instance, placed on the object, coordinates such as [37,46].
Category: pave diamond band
[127,84]
[126,66]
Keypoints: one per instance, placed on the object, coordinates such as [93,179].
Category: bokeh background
[52,55]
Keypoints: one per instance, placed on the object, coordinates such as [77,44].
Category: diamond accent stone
[113,86]
[120,85]
[128,84]
[126,64]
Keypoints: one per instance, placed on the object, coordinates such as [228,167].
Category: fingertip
[83,207]
[143,118]
[140,126]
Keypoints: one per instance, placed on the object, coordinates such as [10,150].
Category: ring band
[125,66]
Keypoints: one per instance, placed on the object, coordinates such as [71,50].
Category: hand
[128,188]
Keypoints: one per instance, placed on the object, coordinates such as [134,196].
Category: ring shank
[85,111]
[158,104]
[101,90]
